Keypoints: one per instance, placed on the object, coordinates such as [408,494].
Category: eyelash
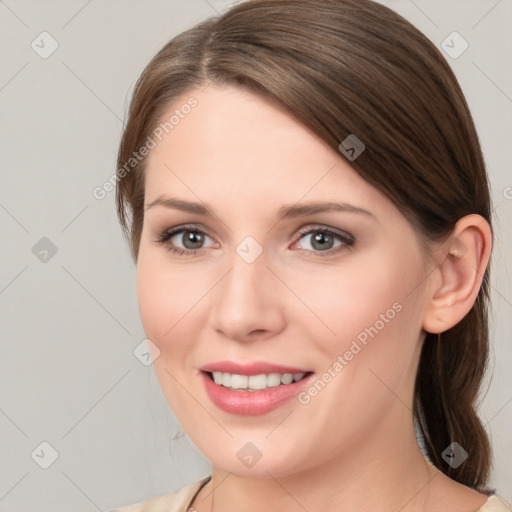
[164,237]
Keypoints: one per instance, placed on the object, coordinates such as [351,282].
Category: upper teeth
[261,381]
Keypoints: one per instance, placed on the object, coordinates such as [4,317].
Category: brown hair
[346,67]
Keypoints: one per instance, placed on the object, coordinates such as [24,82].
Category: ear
[458,273]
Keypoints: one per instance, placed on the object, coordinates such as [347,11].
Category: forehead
[239,148]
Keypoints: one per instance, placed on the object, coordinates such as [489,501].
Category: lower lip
[251,403]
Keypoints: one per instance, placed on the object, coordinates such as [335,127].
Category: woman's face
[336,294]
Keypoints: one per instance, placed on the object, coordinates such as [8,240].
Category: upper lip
[253,368]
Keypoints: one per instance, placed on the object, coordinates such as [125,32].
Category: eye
[190,236]
[322,240]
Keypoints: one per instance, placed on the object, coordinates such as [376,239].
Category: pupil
[194,238]
[320,238]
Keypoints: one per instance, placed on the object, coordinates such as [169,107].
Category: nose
[247,303]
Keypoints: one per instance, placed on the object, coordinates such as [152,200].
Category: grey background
[70,324]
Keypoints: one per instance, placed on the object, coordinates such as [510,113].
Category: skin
[352,447]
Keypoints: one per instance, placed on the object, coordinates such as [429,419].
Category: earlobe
[461,267]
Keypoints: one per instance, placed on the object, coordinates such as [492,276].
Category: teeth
[286,378]
[239,381]
[255,382]
[226,380]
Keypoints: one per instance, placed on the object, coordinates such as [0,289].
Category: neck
[387,472]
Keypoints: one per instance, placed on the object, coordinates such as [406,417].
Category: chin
[246,460]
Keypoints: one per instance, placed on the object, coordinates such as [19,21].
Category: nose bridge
[248,262]
[243,303]
[244,282]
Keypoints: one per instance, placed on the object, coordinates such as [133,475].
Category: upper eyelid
[192,227]
[321,227]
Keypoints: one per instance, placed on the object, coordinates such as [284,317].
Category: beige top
[181,501]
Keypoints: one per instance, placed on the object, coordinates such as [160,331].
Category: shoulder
[495,503]
[175,502]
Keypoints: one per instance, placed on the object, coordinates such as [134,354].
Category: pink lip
[255,368]
[252,403]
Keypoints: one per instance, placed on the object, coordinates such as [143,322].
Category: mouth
[252,395]
[252,383]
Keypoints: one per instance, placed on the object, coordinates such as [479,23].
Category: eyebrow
[286,211]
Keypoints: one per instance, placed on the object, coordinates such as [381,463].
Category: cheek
[384,321]
[172,309]
[371,358]
[354,298]
[163,311]
[374,322]
[153,302]
[164,295]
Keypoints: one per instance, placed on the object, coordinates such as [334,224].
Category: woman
[307,203]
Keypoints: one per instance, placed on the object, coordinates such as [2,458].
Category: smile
[275,389]
[255,382]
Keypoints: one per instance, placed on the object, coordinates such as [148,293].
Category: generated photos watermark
[357,345]
[100,192]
